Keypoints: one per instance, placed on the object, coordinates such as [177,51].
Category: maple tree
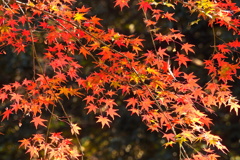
[153,82]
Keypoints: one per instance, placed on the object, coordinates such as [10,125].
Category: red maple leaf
[3,96]
[103,120]
[187,47]
[89,99]
[144,5]
[149,22]
[91,107]
[169,16]
[161,52]
[84,51]
[38,121]
[182,59]
[122,3]
[83,9]
[234,44]
[72,73]
[6,114]
[206,121]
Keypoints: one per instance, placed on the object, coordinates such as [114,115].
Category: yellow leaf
[79,17]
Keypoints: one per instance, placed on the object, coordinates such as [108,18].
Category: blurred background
[128,138]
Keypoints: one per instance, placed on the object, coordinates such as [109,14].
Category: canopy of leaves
[73,69]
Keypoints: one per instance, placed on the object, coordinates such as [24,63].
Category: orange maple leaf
[146,104]
[112,112]
[132,101]
[169,136]
[33,151]
[16,97]
[187,47]
[103,120]
[110,102]
[38,121]
[24,142]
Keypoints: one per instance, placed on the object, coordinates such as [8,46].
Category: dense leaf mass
[153,81]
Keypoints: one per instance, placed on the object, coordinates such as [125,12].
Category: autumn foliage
[168,100]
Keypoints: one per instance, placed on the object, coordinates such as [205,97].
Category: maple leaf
[207,121]
[79,17]
[169,144]
[69,1]
[134,111]
[144,5]
[89,99]
[95,20]
[169,16]
[169,136]
[132,101]
[146,104]
[22,19]
[154,127]
[235,44]
[110,102]
[33,151]
[83,9]
[110,93]
[72,73]
[187,47]
[235,106]
[7,87]
[75,129]
[121,3]
[65,91]
[112,112]
[6,114]
[212,87]
[91,108]
[84,51]
[55,137]
[103,120]
[161,52]
[3,96]
[219,57]
[24,142]
[182,59]
[38,121]
[16,85]
[149,22]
